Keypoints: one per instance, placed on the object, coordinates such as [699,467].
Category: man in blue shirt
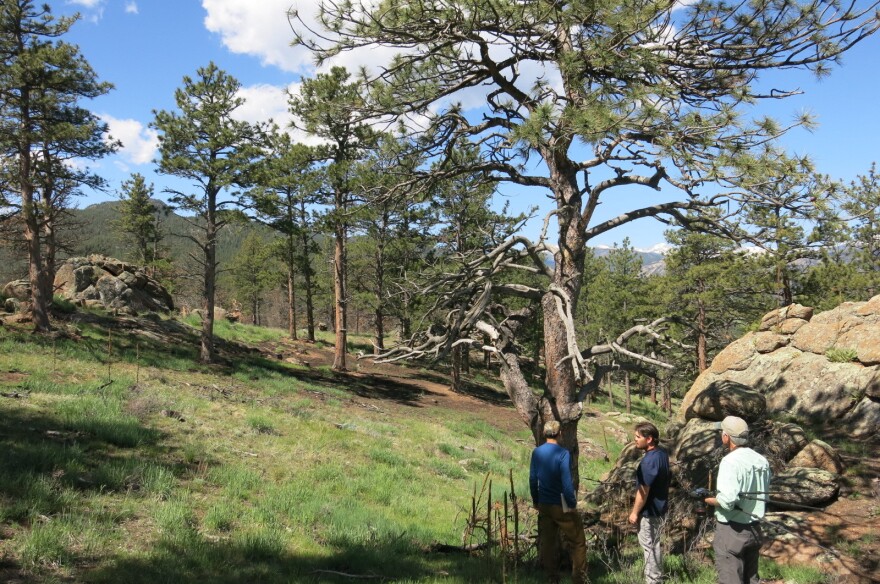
[652,494]
[553,495]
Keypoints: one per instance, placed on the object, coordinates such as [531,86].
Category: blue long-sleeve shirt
[550,476]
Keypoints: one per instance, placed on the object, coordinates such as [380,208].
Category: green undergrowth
[122,460]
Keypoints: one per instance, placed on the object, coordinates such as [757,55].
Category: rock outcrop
[822,369]
[112,284]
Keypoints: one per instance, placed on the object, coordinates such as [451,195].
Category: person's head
[736,429]
[551,429]
[646,436]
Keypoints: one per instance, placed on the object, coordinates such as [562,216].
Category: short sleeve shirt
[653,471]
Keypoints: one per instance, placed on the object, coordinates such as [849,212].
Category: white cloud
[139,143]
[131,8]
[263,102]
[87,3]
[260,29]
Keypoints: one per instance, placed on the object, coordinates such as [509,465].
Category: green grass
[252,471]
[796,573]
[841,355]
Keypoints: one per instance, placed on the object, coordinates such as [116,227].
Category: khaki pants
[551,523]
[649,537]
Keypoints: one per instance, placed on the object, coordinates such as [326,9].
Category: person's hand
[634,518]
[699,494]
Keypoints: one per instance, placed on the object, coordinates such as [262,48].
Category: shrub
[63,305]
[841,355]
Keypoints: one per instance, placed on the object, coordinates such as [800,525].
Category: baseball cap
[735,427]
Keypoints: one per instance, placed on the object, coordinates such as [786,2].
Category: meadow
[122,460]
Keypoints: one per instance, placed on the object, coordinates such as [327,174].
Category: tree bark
[562,382]
[702,350]
[291,307]
[456,369]
[206,354]
[36,276]
[339,288]
[306,269]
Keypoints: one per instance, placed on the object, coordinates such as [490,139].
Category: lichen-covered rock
[18,289]
[788,362]
[815,389]
[775,318]
[790,326]
[863,419]
[696,453]
[818,454]
[864,340]
[736,356]
[117,285]
[727,398]
[767,342]
[804,486]
[619,481]
[784,440]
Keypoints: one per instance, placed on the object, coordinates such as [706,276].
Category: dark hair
[648,430]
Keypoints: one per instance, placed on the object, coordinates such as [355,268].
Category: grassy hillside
[122,461]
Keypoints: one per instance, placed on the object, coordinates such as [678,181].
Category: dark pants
[736,552]
[551,523]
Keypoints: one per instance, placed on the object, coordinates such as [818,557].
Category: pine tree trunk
[456,369]
[310,308]
[702,356]
[36,276]
[339,290]
[206,354]
[291,306]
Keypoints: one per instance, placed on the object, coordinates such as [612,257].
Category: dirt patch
[841,539]
[379,384]
[12,377]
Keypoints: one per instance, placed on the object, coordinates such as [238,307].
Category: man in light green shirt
[742,484]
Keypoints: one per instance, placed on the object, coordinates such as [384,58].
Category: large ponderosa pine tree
[609,98]
[43,129]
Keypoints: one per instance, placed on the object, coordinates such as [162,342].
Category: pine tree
[203,143]
[288,189]
[861,203]
[42,129]
[254,270]
[140,219]
[638,96]
[327,108]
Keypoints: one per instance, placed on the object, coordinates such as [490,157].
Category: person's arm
[728,489]
[639,503]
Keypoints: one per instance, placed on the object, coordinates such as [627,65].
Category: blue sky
[145,47]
